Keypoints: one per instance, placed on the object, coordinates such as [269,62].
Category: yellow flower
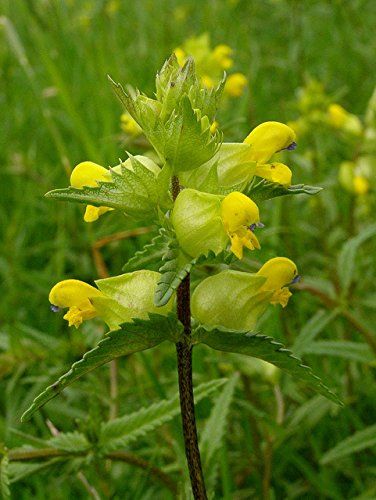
[361,185]
[275,172]
[239,213]
[337,115]
[129,125]
[269,138]
[207,81]
[89,174]
[235,84]
[180,56]
[279,272]
[221,54]
[75,295]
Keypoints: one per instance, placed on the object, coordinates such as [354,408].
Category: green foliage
[4,476]
[177,265]
[261,190]
[74,442]
[120,432]
[356,351]
[263,347]
[177,123]
[365,438]
[149,257]
[132,337]
[214,432]
[134,192]
[347,257]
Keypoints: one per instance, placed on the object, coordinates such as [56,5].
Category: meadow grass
[57,109]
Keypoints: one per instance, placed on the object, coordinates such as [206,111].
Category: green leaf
[361,440]
[346,263]
[133,192]
[263,347]
[355,351]
[120,432]
[132,337]
[149,257]
[311,329]
[4,476]
[74,442]
[187,143]
[265,190]
[214,432]
[20,470]
[176,266]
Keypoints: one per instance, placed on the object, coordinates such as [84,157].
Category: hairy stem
[184,361]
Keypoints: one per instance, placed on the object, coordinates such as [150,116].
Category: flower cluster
[211,63]
[318,111]
[212,213]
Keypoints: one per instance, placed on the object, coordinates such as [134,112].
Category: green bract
[196,218]
[231,299]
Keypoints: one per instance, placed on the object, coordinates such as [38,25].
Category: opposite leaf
[265,190]
[132,337]
[263,347]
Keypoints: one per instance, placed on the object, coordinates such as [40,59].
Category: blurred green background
[57,109]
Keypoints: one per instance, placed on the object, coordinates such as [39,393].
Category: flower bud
[269,138]
[275,172]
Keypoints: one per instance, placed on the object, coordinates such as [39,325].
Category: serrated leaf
[120,432]
[186,145]
[176,266]
[263,347]
[132,337]
[134,192]
[4,477]
[214,432]
[149,257]
[355,351]
[347,257]
[265,190]
[74,442]
[359,441]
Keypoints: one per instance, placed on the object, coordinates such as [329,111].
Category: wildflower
[118,300]
[269,138]
[279,273]
[238,213]
[275,172]
[222,55]
[129,125]
[203,222]
[180,56]
[235,84]
[75,295]
[338,117]
[249,294]
[89,174]
[360,184]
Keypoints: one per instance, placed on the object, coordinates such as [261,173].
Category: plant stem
[184,360]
